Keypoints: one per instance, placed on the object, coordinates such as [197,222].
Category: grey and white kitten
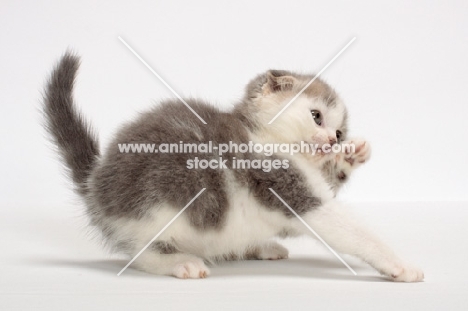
[131,196]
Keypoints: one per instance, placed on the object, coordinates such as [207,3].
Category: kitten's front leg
[344,234]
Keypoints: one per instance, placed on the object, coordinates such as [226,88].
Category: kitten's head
[316,116]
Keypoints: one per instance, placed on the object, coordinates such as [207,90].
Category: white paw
[273,251]
[361,154]
[406,273]
[191,268]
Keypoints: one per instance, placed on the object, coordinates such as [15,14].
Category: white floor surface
[49,262]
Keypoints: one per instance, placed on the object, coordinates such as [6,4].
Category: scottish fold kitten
[131,196]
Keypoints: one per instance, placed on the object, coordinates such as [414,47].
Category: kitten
[131,196]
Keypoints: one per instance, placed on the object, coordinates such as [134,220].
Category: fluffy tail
[69,130]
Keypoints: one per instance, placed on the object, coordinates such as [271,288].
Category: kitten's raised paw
[406,273]
[272,251]
[191,269]
[361,152]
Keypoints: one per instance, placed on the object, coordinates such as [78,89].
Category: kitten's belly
[246,223]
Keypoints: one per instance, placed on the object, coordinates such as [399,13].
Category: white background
[404,81]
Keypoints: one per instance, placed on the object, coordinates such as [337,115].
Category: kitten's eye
[338,135]
[317,116]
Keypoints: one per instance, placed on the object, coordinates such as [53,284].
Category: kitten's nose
[332,140]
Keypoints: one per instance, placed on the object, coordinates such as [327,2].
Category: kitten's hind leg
[163,259]
[270,250]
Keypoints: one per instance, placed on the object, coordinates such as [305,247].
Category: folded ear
[278,81]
